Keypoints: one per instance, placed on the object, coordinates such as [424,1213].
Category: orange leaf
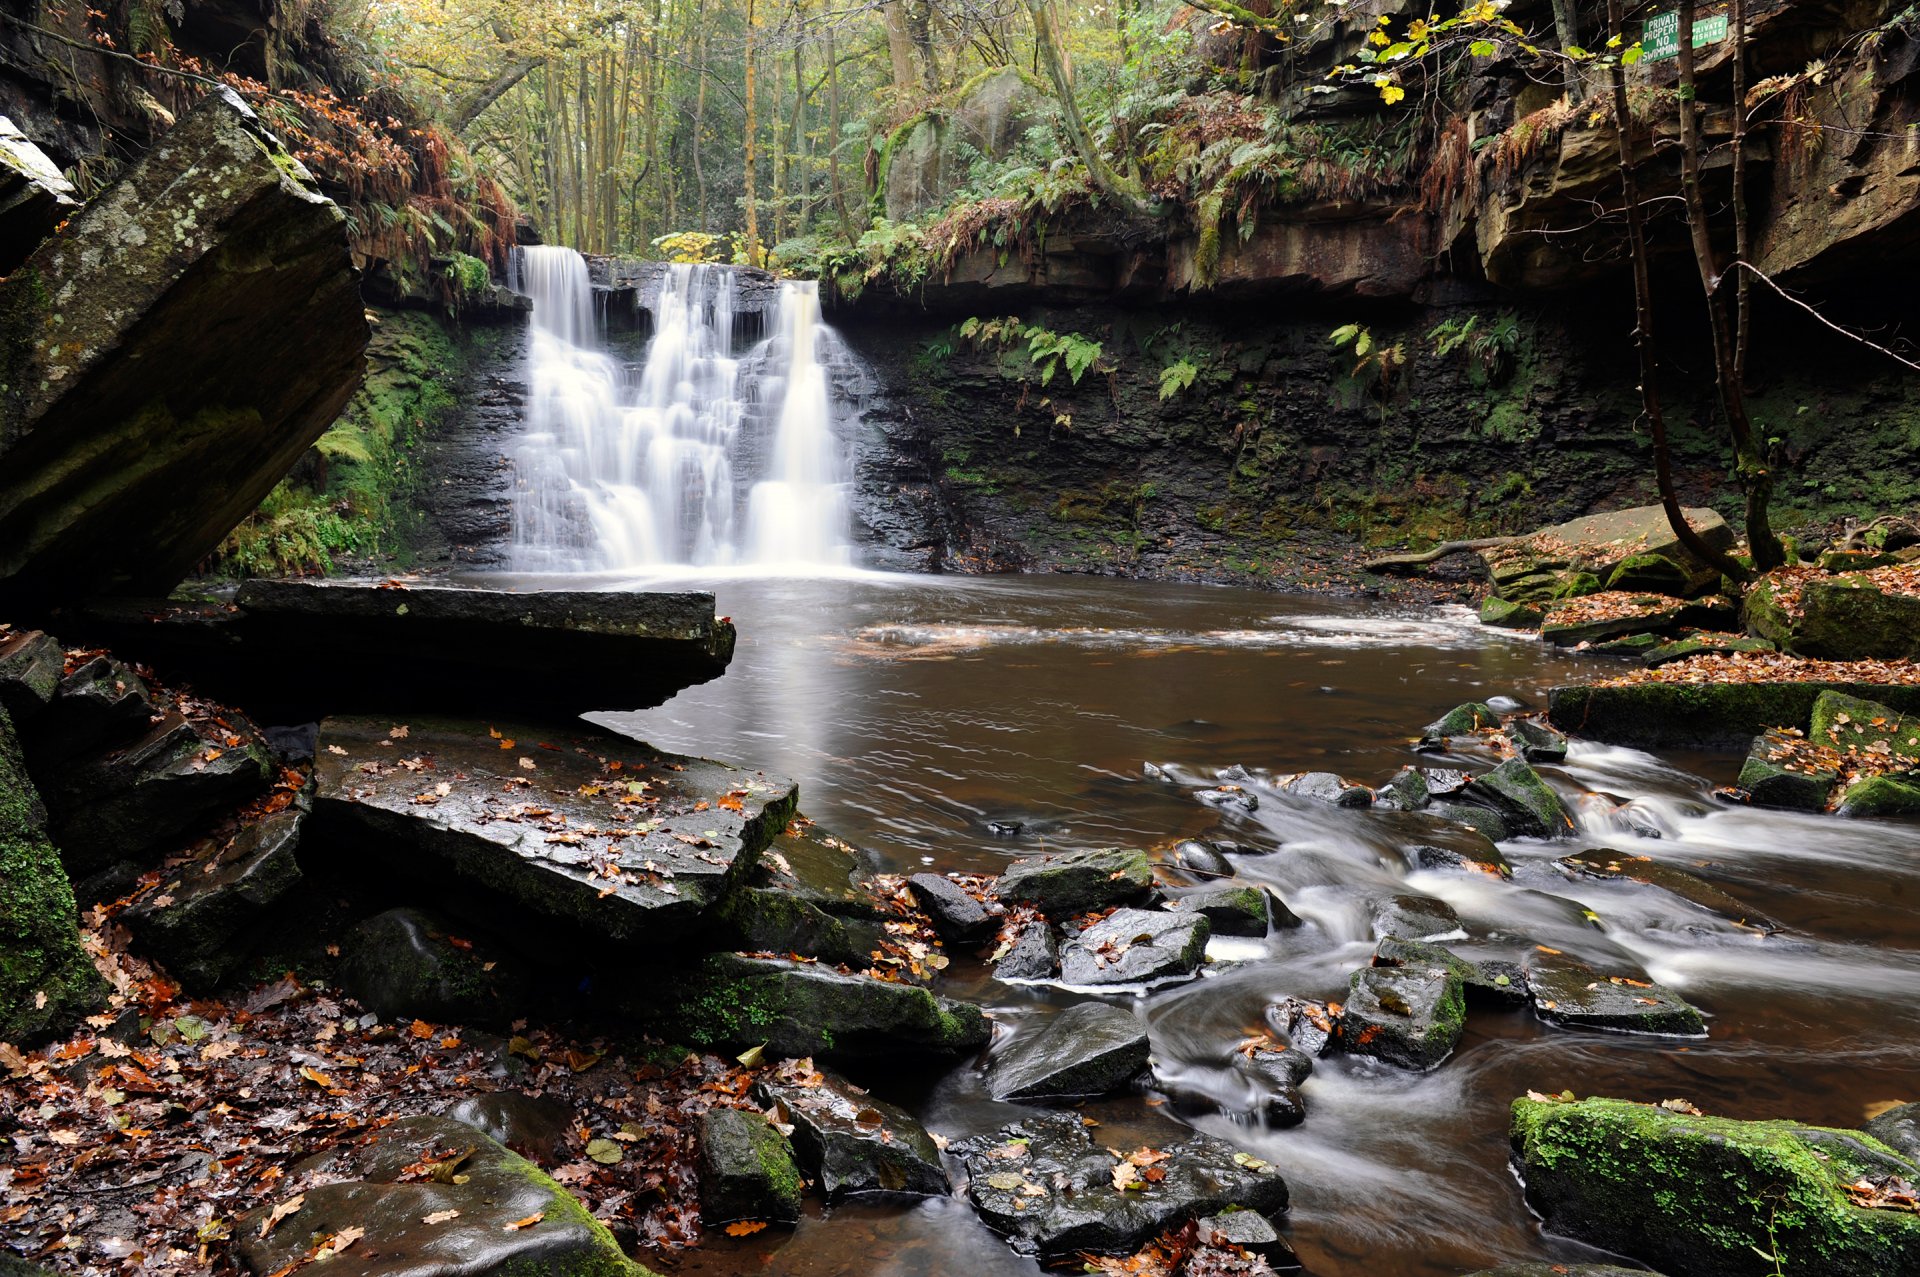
[745,1228]
[528,1222]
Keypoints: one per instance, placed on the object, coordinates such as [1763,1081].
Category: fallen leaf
[528,1222]
[745,1228]
[440,1217]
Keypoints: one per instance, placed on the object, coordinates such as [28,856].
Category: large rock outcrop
[34,195]
[168,358]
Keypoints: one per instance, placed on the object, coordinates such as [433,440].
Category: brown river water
[915,711]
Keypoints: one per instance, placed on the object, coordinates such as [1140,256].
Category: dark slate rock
[537,1127]
[1136,946]
[1229,911]
[1770,782]
[1489,983]
[1899,1129]
[1076,881]
[853,1144]
[957,916]
[1325,787]
[1278,1075]
[733,1002]
[1033,955]
[1614,866]
[1309,1026]
[35,196]
[1649,1182]
[1414,918]
[31,665]
[1527,803]
[1202,859]
[437,644]
[809,864]
[1078,1209]
[532,830]
[1249,1231]
[1472,851]
[405,964]
[199,922]
[1572,994]
[1229,798]
[1406,791]
[1536,742]
[773,910]
[746,1170]
[1561,1270]
[1482,820]
[101,705]
[1087,1050]
[1407,1016]
[496,1188]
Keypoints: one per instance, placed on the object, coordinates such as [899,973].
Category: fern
[1176,377]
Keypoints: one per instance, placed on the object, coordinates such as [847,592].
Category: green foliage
[468,274]
[1369,356]
[1176,377]
[1049,351]
[1492,349]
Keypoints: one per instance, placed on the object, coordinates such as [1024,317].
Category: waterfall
[702,457]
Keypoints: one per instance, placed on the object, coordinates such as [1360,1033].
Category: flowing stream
[918,711]
[702,455]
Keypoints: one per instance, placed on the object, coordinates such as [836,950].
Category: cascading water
[702,459]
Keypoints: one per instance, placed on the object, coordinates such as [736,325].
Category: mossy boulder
[1076,881]
[773,919]
[1655,574]
[1527,803]
[1494,982]
[492,1195]
[1663,714]
[1712,1197]
[1849,618]
[1853,723]
[926,160]
[1643,614]
[1230,911]
[1536,742]
[1411,1015]
[733,1002]
[1508,615]
[747,1170]
[852,1143]
[1463,720]
[1551,562]
[1771,777]
[1876,796]
[47,982]
[1712,644]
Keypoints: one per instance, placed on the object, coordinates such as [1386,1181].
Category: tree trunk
[1109,182]
[833,143]
[899,44]
[752,156]
[1762,544]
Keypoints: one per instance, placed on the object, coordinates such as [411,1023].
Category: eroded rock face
[850,1142]
[1089,1049]
[1546,564]
[34,195]
[169,357]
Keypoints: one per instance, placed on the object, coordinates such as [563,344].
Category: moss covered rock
[853,1144]
[1772,777]
[1880,796]
[1710,1197]
[1462,720]
[1410,1015]
[1653,715]
[47,982]
[1549,563]
[1857,724]
[1528,804]
[746,1170]
[1076,881]
[1848,618]
[1508,615]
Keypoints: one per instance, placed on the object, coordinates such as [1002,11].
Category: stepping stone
[1279,1074]
[1407,1016]
[1325,787]
[1072,882]
[1202,859]
[1249,1231]
[1230,911]
[1463,720]
[1087,1050]
[578,834]
[1614,866]
[746,1170]
[490,1192]
[197,922]
[1136,946]
[1414,918]
[1406,791]
[1309,1026]
[1527,804]
[1771,776]
[1494,982]
[1536,742]
[851,1143]
[1045,1186]
[1033,955]
[1472,851]
[1571,994]
[957,916]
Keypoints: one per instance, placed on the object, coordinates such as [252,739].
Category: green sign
[1660,37]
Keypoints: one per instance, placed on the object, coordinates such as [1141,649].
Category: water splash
[703,458]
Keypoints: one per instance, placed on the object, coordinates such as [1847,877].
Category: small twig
[1844,332]
[1397,563]
[105,52]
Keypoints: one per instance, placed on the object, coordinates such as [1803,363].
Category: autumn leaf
[440,1217]
[316,1077]
[339,1242]
[745,1228]
[528,1222]
[281,1211]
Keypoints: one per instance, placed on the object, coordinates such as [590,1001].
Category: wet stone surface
[1136,946]
[1570,993]
[1089,1049]
[852,1143]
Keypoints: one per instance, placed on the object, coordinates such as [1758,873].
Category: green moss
[604,1260]
[1651,715]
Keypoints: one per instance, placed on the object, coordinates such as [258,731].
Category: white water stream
[703,457]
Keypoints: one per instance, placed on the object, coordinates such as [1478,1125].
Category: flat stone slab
[1614,866]
[1654,715]
[1575,996]
[1045,1186]
[1076,881]
[1136,946]
[198,920]
[441,649]
[576,832]
[490,1192]
[1087,1050]
[850,1142]
[1410,1016]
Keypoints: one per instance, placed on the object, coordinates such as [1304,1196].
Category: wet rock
[1880,796]
[851,1143]
[1464,720]
[1899,1129]
[576,834]
[1230,911]
[406,964]
[101,705]
[34,195]
[1076,881]
[1660,715]
[1855,724]
[1413,917]
[1484,821]
[1087,1050]
[772,912]
[1493,983]
[1527,804]
[1325,787]
[1229,798]
[1560,1270]
[1542,565]
[1570,993]
[1043,1184]
[1634,645]
[268,357]
[1202,859]
[1407,791]
[1772,778]
[810,864]
[1471,851]
[1032,955]
[1614,866]
[199,922]
[1644,614]
[536,1127]
[957,916]
[746,1170]
[1410,1016]
[437,644]
[1839,618]
[1007,828]
[1702,645]
[1310,1027]
[31,664]
[1536,742]
[128,804]
[796,1009]
[380,1197]
[1249,1231]
[1679,1190]
[1508,615]
[1278,1075]
[47,983]
[1136,946]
